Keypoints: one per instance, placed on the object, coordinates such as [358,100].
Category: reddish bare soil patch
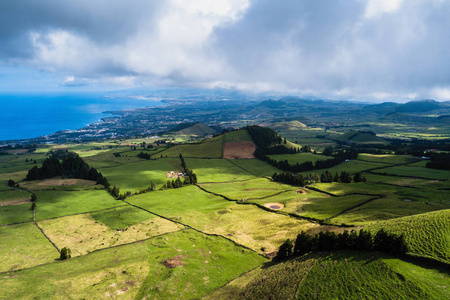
[171,263]
[239,150]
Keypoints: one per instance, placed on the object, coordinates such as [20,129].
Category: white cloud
[376,8]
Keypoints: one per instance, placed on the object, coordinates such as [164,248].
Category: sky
[346,49]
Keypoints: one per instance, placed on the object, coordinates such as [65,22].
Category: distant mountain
[418,106]
[198,129]
[289,125]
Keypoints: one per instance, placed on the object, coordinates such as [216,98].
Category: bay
[29,116]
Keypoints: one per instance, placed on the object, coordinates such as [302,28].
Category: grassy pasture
[16,176]
[256,167]
[385,209]
[24,246]
[16,163]
[386,158]
[86,233]
[52,204]
[255,188]
[137,270]
[108,160]
[352,166]
[298,158]
[13,195]
[427,235]
[245,224]
[209,148]
[351,275]
[58,183]
[237,136]
[270,281]
[216,170]
[138,175]
[416,172]
[10,214]
[327,207]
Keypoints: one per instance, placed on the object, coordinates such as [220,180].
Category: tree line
[71,166]
[302,180]
[329,241]
[439,161]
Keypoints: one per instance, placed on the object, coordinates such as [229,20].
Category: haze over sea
[29,116]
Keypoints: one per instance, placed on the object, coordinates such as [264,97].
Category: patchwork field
[217,170]
[88,232]
[245,224]
[137,270]
[209,148]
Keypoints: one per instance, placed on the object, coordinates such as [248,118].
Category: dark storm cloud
[342,48]
[103,21]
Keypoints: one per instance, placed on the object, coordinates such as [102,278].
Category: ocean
[29,116]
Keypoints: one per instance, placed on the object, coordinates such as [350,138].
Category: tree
[345,177]
[358,177]
[33,205]
[285,251]
[153,184]
[33,197]
[65,253]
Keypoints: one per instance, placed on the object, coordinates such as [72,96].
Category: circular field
[274,206]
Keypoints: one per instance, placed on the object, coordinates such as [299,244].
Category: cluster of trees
[71,166]
[439,161]
[33,201]
[30,160]
[12,183]
[302,180]
[191,176]
[329,241]
[144,155]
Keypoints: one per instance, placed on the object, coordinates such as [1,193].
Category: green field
[138,175]
[256,167]
[384,209]
[10,214]
[345,275]
[250,189]
[52,204]
[245,224]
[217,170]
[137,270]
[14,195]
[24,246]
[237,136]
[298,158]
[427,235]
[88,232]
[209,148]
[415,172]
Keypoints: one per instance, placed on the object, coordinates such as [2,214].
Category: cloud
[343,48]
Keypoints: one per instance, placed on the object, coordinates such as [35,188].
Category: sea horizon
[27,116]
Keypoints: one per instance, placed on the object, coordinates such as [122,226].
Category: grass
[209,148]
[11,214]
[386,158]
[351,275]
[237,136]
[325,208]
[385,209]
[352,166]
[245,224]
[250,189]
[416,172]
[256,167]
[270,281]
[217,170]
[427,235]
[52,204]
[24,246]
[299,157]
[138,175]
[9,195]
[136,270]
[60,184]
[88,232]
